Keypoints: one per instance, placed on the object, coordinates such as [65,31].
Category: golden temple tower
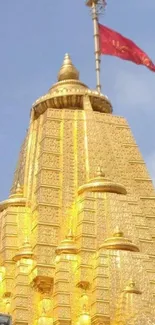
[77,239]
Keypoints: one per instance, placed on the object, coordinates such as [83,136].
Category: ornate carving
[43,284]
[69,136]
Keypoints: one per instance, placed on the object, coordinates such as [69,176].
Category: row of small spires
[116,242]
[84,317]
[68,245]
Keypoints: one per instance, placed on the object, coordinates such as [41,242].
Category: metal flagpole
[97,7]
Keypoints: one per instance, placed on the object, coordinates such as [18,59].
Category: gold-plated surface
[81,279]
[68,245]
[101,184]
[131,288]
[14,202]
[18,192]
[68,70]
[25,252]
[119,242]
[69,93]
[15,199]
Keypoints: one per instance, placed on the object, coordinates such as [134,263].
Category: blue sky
[35,35]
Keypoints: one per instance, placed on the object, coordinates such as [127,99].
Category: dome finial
[68,70]
[118,232]
[18,192]
[131,288]
[99,172]
[68,245]
[119,242]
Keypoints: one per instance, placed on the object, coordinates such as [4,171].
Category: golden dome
[101,184]
[25,251]
[68,70]
[18,192]
[131,288]
[119,242]
[67,246]
[68,81]
[69,92]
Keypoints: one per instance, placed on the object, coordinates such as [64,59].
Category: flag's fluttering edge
[113,43]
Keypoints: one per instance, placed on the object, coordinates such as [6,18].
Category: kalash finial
[25,251]
[118,232]
[68,70]
[70,235]
[19,189]
[99,172]
[132,288]
[18,192]
[68,245]
[119,242]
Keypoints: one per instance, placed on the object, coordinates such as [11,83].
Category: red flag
[113,43]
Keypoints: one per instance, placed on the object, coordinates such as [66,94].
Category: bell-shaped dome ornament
[68,70]
[67,246]
[119,242]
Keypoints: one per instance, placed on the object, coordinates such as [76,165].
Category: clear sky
[35,35]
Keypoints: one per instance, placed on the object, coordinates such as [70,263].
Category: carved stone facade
[64,147]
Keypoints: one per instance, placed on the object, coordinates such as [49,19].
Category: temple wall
[64,149]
